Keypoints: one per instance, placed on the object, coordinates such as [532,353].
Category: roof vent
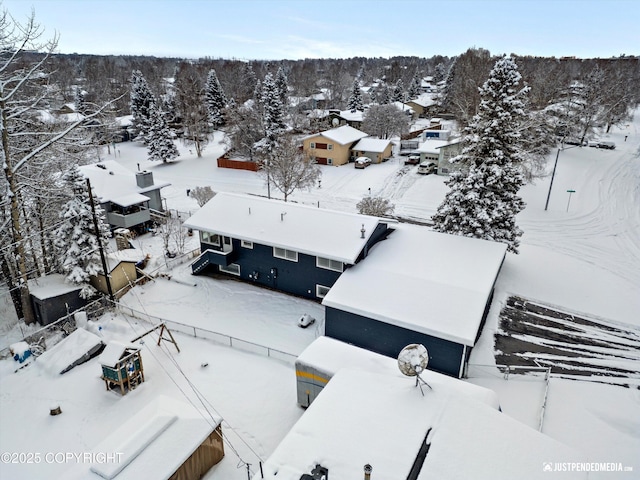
[362,231]
[318,473]
[99,165]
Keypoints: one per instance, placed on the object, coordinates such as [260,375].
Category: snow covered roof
[48,117]
[114,183]
[130,255]
[371,145]
[352,115]
[431,146]
[403,106]
[72,350]
[163,435]
[387,420]
[425,281]
[124,121]
[329,356]
[50,286]
[424,100]
[305,229]
[113,352]
[343,135]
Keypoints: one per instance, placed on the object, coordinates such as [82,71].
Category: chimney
[144,179]
[367,472]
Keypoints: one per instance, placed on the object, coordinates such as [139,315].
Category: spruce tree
[216,100]
[398,91]
[282,85]
[75,239]
[355,99]
[384,97]
[273,111]
[482,201]
[414,86]
[160,145]
[142,102]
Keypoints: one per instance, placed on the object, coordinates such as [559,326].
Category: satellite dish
[335,122]
[412,361]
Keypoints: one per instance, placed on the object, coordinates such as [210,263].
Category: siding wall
[444,356]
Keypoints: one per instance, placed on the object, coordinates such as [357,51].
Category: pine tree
[160,145]
[398,91]
[355,99]
[80,102]
[273,111]
[216,100]
[384,97]
[482,201]
[75,239]
[414,86]
[282,85]
[142,102]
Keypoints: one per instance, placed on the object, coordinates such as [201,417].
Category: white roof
[371,418]
[304,229]
[352,115]
[115,183]
[343,135]
[425,281]
[112,353]
[130,255]
[424,100]
[161,437]
[71,349]
[51,285]
[431,146]
[329,356]
[371,145]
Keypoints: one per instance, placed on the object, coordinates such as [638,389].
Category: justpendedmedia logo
[585,467]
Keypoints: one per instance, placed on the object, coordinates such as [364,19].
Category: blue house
[418,286]
[286,246]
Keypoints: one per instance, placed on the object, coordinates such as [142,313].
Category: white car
[425,168]
[305,320]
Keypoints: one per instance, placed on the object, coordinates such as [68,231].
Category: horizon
[294,30]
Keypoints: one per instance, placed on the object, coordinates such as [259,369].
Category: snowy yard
[583,257]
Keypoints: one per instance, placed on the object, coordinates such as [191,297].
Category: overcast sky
[294,29]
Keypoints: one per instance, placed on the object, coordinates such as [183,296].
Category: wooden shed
[122,366]
[53,298]
[168,439]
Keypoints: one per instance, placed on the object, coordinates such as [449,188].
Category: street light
[569,192]
[553,174]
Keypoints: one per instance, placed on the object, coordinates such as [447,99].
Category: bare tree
[289,169]
[376,206]
[192,107]
[384,121]
[202,195]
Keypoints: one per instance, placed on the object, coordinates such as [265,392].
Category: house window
[246,244]
[285,254]
[329,161]
[313,145]
[210,238]
[233,269]
[329,146]
[321,291]
[329,264]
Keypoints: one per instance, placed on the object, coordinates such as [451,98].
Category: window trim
[210,234]
[318,287]
[224,268]
[312,145]
[284,256]
[246,244]
[329,146]
[329,267]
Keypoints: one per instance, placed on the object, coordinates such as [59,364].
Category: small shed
[122,270]
[53,298]
[122,366]
[168,439]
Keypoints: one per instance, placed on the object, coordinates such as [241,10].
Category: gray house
[128,198]
[286,246]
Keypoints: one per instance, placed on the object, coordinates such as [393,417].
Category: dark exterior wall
[298,278]
[444,356]
[48,310]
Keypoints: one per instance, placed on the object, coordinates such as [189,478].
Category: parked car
[574,141]
[607,145]
[593,144]
[425,168]
[412,160]
[362,162]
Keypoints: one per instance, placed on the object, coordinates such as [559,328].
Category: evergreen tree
[282,86]
[80,102]
[398,91]
[414,86]
[142,102]
[273,111]
[355,99]
[482,201]
[75,239]
[216,100]
[160,145]
[384,97]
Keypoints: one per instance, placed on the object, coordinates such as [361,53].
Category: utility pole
[102,257]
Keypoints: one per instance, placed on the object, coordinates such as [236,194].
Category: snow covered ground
[583,257]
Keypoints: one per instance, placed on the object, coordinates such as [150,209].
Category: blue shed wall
[386,339]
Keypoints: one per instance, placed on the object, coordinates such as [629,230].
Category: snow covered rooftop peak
[375,145]
[344,134]
[301,228]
